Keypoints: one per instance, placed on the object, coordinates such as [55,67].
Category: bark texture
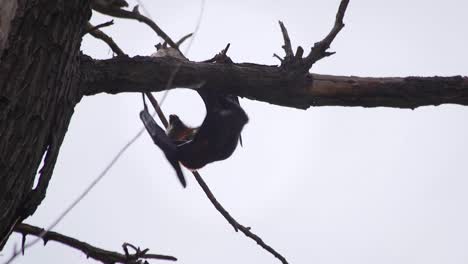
[38,92]
[7,12]
[270,84]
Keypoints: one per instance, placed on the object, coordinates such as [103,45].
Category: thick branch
[269,83]
[102,255]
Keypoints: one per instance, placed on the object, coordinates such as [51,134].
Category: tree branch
[98,254]
[97,33]
[236,225]
[91,28]
[269,83]
[319,50]
[135,14]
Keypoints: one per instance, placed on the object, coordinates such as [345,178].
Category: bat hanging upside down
[215,140]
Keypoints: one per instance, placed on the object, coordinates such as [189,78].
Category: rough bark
[38,92]
[270,83]
[7,13]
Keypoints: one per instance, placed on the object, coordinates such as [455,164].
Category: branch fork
[296,63]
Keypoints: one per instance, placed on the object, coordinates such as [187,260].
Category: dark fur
[215,140]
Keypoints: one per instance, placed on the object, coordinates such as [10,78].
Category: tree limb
[93,252]
[319,50]
[270,84]
[135,14]
[97,33]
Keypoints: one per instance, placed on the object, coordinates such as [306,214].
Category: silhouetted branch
[93,28]
[104,256]
[135,14]
[319,50]
[95,32]
[237,226]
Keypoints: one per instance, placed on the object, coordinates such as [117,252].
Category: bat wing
[163,142]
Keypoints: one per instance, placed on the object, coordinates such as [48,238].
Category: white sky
[327,185]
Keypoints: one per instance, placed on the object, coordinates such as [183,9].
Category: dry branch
[95,32]
[319,50]
[135,14]
[270,84]
[91,28]
[236,225]
[104,256]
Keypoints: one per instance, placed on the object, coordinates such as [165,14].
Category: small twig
[225,50]
[135,14]
[237,226]
[318,51]
[93,28]
[295,63]
[278,57]
[182,39]
[95,32]
[157,108]
[221,57]
[287,41]
[104,256]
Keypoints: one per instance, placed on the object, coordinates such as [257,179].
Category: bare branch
[295,64]
[278,57]
[93,252]
[319,50]
[183,39]
[287,42]
[237,226]
[95,32]
[93,28]
[135,14]
[269,83]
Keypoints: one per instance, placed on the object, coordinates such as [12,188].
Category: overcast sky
[329,185]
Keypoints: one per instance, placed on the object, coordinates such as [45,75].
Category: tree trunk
[39,73]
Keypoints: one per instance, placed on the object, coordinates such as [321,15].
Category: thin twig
[237,226]
[287,41]
[104,256]
[278,57]
[93,28]
[135,14]
[157,108]
[183,39]
[319,50]
[95,32]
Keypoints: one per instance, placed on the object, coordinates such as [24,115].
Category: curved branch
[269,83]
